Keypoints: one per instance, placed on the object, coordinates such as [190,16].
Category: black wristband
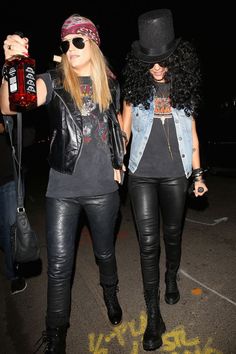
[197,170]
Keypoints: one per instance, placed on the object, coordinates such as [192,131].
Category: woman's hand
[119,174]
[15,45]
[199,188]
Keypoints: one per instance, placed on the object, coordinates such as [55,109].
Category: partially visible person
[161,93]
[82,96]
[8,205]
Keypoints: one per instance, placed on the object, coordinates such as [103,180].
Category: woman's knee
[172,231]
[60,266]
[149,245]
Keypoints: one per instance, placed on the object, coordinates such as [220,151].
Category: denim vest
[142,121]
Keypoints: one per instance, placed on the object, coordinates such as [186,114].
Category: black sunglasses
[78,42]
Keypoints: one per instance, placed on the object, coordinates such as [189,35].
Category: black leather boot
[112,304]
[53,340]
[172,294]
[173,256]
[152,339]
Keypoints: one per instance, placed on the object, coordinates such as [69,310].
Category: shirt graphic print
[94,123]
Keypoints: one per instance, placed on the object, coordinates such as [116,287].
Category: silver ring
[9,47]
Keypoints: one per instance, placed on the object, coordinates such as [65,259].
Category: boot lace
[171,283]
[45,340]
[110,294]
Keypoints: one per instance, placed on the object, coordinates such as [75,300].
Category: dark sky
[213,31]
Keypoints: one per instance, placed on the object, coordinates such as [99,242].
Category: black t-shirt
[93,174]
[161,157]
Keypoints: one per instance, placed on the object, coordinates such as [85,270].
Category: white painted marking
[206,287]
[216,221]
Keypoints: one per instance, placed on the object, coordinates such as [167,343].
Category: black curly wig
[183,75]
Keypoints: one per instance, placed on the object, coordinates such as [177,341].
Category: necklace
[162,110]
[167,134]
[162,89]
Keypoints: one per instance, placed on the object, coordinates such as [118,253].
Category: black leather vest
[67,138]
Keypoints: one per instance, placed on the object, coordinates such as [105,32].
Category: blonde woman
[82,96]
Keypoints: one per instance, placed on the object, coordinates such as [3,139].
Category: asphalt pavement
[204,320]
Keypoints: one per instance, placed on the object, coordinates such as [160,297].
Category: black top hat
[156,36]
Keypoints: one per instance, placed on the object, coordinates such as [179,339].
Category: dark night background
[211,27]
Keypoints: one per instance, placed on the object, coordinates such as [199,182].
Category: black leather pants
[150,199]
[63,216]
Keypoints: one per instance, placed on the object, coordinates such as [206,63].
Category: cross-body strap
[19,154]
[16,158]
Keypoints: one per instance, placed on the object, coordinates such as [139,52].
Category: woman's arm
[2,128]
[127,120]
[196,152]
[4,99]
[15,45]
[199,184]
[119,174]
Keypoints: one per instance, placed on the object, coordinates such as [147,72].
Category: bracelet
[5,73]
[197,171]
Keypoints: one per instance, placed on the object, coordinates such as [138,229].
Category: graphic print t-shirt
[93,174]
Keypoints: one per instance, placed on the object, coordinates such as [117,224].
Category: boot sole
[171,301]
[117,324]
[155,345]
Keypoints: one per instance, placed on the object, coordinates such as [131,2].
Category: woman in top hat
[82,97]
[161,98]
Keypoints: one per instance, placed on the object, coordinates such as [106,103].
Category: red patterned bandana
[78,24]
